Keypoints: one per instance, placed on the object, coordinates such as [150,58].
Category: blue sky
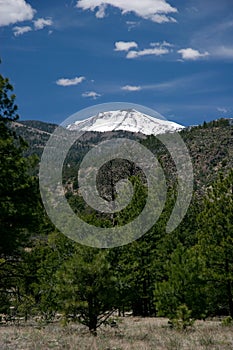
[172,56]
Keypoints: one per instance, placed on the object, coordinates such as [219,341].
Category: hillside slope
[210,147]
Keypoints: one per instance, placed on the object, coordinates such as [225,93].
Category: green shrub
[227,321]
[182,318]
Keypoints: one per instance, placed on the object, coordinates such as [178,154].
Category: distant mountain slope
[210,147]
[128,120]
[38,125]
[36,133]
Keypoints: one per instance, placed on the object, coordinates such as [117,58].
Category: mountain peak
[128,120]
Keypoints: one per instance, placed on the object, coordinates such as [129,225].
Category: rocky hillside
[210,146]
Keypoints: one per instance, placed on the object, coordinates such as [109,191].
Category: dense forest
[186,274]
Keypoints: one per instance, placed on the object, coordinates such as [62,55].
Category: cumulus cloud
[21,30]
[155,10]
[125,45]
[131,88]
[158,50]
[70,82]
[191,54]
[13,11]
[40,23]
[91,94]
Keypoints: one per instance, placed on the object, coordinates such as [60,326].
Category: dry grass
[132,333]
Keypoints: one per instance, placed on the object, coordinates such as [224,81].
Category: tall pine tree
[215,244]
[18,198]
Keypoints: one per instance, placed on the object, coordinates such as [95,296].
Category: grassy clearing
[131,333]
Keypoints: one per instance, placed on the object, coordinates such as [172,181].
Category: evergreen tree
[17,187]
[215,244]
[38,284]
[86,287]
[183,284]
[18,195]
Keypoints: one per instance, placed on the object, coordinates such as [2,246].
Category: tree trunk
[92,317]
[145,299]
[93,325]
[137,307]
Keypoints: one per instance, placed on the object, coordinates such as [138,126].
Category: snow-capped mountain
[128,120]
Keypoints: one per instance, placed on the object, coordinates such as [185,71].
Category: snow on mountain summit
[128,120]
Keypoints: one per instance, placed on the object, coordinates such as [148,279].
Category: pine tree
[86,287]
[183,284]
[17,187]
[18,195]
[215,244]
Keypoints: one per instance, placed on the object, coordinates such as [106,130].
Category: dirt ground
[130,333]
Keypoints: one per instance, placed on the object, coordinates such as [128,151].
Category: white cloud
[164,43]
[70,82]
[21,30]
[125,45]
[91,94]
[156,51]
[131,88]
[132,24]
[154,10]
[101,12]
[191,54]
[163,19]
[40,23]
[222,110]
[13,11]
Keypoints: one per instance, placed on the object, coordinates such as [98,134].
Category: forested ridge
[186,274]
